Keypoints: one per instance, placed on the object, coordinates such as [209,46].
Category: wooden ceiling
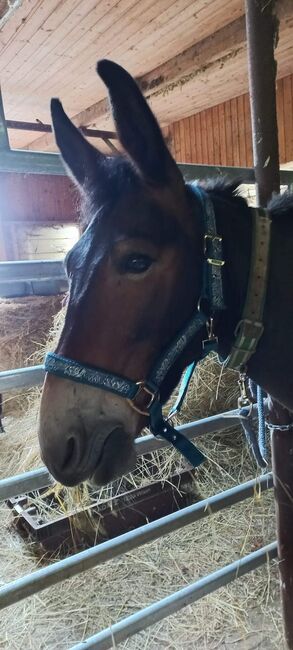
[187,54]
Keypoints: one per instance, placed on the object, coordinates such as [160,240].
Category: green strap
[250,329]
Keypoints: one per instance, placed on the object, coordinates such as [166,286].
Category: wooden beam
[47,128]
[197,61]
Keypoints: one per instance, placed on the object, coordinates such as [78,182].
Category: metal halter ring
[141,387]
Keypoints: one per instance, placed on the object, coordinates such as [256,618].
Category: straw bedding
[245,615]
[24,326]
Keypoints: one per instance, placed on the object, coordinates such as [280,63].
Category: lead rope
[262,443]
[255,441]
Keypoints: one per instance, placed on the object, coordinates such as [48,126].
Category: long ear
[81,158]
[136,126]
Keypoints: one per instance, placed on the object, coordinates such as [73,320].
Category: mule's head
[133,284]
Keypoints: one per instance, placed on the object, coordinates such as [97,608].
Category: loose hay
[245,615]
[24,326]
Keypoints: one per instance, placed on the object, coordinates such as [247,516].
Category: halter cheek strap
[144,397]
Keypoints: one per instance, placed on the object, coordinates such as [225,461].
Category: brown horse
[135,280]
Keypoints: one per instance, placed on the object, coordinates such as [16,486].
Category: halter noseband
[144,396]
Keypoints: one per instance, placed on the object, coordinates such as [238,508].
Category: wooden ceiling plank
[238,36]
[64,40]
[206,92]
[199,91]
[190,62]
[221,85]
[56,26]
[126,38]
[85,51]
[171,42]
[29,28]
[136,34]
[150,44]
[16,23]
[209,93]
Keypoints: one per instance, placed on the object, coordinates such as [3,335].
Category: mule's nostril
[70,453]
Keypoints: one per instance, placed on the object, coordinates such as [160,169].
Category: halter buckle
[212,340]
[152,395]
[244,400]
[214,262]
[211,239]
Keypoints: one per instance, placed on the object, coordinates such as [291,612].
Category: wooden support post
[262,33]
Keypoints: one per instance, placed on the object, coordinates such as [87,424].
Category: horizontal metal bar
[40,127]
[32,270]
[27,482]
[17,289]
[143,445]
[142,619]
[21,378]
[32,277]
[85,560]
[38,162]
[13,486]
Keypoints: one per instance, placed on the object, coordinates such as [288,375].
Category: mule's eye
[136,263]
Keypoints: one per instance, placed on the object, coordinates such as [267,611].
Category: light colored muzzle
[85,432]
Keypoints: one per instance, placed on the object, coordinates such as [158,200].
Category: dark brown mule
[135,278]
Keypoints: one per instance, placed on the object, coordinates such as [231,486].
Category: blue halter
[144,396]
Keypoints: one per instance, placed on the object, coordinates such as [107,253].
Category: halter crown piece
[148,390]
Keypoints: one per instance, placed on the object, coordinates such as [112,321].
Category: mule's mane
[281,203]
[122,178]
[226,190]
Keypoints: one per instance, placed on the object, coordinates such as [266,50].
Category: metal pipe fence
[41,579]
[48,576]
[172,604]
[83,561]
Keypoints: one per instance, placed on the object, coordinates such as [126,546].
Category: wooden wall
[32,198]
[222,135]
[36,197]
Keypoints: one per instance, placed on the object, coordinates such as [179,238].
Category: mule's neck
[234,224]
